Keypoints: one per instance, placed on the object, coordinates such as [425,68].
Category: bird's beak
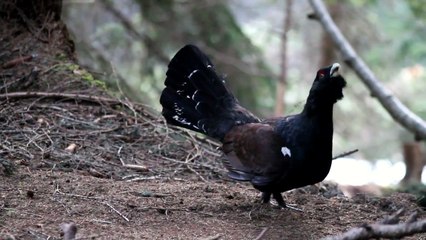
[334,71]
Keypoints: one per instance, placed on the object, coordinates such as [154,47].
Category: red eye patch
[321,74]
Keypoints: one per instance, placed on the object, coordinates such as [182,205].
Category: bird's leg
[266,197]
[279,198]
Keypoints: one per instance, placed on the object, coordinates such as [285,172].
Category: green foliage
[418,7]
[361,3]
[61,57]
[69,66]
[86,76]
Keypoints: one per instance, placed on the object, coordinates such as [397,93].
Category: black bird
[276,154]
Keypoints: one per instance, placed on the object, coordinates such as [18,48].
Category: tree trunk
[282,81]
[34,39]
[414,162]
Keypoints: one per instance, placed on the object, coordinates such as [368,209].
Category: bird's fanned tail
[196,98]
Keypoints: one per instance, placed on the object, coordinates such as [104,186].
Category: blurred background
[269,52]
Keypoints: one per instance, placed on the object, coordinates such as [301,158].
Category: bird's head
[328,85]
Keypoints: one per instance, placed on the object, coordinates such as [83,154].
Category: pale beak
[334,69]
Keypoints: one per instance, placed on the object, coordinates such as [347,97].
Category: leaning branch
[396,109]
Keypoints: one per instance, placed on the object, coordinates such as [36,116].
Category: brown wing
[254,153]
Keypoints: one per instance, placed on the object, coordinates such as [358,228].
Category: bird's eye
[321,75]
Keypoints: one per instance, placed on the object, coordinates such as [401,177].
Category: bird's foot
[292,207]
[289,206]
[281,203]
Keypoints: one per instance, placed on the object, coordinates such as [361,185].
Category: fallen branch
[386,228]
[89,98]
[17,61]
[393,106]
[394,218]
[82,97]
[369,231]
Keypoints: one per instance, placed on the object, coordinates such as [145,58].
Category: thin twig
[260,236]
[119,155]
[115,210]
[345,154]
[196,173]
[214,237]
[137,179]
[131,166]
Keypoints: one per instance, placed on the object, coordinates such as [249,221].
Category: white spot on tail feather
[193,72]
[202,126]
[178,110]
[196,106]
[184,121]
[286,151]
[193,95]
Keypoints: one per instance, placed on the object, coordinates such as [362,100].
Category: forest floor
[35,202]
[71,153]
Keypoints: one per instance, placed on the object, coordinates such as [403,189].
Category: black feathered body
[276,154]
[310,141]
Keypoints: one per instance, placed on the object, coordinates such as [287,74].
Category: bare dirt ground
[35,202]
[71,153]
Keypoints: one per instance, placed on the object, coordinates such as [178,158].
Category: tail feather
[209,82]
[181,106]
[196,98]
